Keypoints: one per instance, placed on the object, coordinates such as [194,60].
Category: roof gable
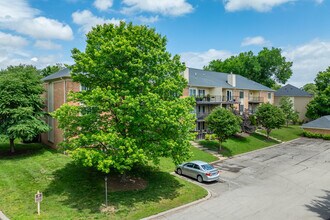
[290,90]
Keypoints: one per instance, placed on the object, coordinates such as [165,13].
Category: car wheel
[200,178]
[179,171]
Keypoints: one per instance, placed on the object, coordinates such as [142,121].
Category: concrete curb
[159,215]
[250,152]
[3,217]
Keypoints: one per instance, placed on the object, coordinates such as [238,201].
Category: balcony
[256,99]
[216,99]
[201,115]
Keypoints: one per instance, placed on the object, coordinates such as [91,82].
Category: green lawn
[74,192]
[239,145]
[286,133]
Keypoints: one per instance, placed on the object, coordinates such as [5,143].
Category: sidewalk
[3,217]
[214,153]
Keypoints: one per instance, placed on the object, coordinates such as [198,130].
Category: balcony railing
[201,115]
[256,99]
[216,99]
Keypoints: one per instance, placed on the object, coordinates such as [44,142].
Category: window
[196,167]
[191,165]
[83,88]
[201,92]
[200,126]
[241,108]
[269,95]
[192,92]
[241,95]
[229,95]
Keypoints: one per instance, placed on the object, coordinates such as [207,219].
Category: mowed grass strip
[74,192]
[286,133]
[238,145]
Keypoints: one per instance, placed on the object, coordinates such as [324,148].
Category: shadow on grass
[83,189]
[22,150]
[321,206]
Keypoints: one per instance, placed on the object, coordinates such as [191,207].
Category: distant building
[212,89]
[319,126]
[57,86]
[299,98]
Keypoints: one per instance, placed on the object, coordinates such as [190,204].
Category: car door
[195,171]
[188,169]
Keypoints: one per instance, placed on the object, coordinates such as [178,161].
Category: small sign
[38,197]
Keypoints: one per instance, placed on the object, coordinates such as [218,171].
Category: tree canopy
[320,104]
[290,114]
[270,117]
[21,105]
[48,70]
[132,112]
[268,67]
[223,123]
[310,88]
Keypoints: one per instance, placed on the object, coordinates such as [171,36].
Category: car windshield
[207,167]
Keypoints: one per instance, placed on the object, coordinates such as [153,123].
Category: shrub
[316,135]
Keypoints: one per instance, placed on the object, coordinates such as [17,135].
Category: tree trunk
[219,149]
[124,178]
[268,132]
[287,123]
[12,145]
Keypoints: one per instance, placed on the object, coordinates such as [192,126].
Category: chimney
[231,78]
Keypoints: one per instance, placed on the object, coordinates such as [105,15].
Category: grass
[238,145]
[74,192]
[286,133]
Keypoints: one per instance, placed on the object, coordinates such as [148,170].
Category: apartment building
[212,89]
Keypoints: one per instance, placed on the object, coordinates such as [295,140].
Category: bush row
[315,135]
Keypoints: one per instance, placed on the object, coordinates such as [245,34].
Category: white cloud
[12,41]
[47,45]
[18,16]
[308,59]
[258,5]
[103,5]
[164,7]
[151,19]
[200,59]
[87,20]
[258,41]
[34,59]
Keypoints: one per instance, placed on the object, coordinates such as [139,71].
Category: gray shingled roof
[290,90]
[60,74]
[205,78]
[321,123]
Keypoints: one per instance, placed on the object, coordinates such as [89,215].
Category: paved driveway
[289,181]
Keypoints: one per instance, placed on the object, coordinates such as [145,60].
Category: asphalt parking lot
[288,181]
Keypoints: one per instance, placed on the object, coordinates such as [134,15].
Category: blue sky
[42,32]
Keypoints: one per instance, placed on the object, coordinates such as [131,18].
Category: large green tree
[223,123]
[270,117]
[320,104]
[268,67]
[290,114]
[132,112]
[21,105]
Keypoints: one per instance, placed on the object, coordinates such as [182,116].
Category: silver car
[199,170]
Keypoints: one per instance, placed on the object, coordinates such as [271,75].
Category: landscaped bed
[74,192]
[239,144]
